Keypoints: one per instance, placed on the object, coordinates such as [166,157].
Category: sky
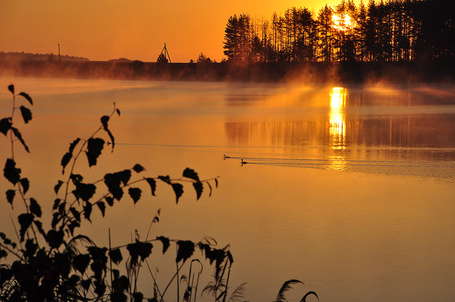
[101,30]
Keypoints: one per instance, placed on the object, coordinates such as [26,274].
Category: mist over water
[347,188]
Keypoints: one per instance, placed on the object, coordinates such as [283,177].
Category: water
[348,189]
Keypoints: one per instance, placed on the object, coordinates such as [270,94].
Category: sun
[342,21]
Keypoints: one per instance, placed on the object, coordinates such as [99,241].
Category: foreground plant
[56,263]
[287,286]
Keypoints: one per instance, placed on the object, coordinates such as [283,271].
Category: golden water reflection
[337,128]
[340,128]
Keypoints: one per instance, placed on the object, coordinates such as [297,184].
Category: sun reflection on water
[337,128]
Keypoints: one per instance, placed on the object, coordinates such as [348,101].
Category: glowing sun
[342,22]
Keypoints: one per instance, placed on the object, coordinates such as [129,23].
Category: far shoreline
[317,73]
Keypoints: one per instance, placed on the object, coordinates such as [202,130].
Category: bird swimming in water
[242,162]
[225,156]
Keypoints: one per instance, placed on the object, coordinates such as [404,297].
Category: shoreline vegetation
[434,72]
[393,42]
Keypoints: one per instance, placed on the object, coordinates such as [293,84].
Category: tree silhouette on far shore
[385,31]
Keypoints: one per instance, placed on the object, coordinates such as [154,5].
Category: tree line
[393,30]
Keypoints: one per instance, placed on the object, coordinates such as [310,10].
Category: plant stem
[153,277]
[170,282]
[110,260]
[178,278]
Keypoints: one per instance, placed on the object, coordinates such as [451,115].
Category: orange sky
[133,29]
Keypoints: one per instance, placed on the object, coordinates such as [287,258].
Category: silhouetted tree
[325,34]
[203,59]
[237,38]
[393,30]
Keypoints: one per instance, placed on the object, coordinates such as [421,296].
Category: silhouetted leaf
[204,247]
[25,184]
[5,125]
[56,217]
[135,194]
[229,255]
[81,262]
[112,138]
[216,183]
[87,210]
[39,226]
[139,249]
[216,255]
[118,296]
[30,247]
[73,145]
[61,208]
[26,114]
[100,287]
[307,294]
[11,88]
[138,168]
[138,297]
[76,213]
[118,112]
[25,220]
[10,196]
[165,241]
[76,178]
[86,283]
[11,173]
[120,284]
[27,97]
[116,256]
[199,188]
[104,121]
[57,186]
[124,176]
[73,280]
[84,191]
[19,137]
[94,147]
[109,200]
[4,254]
[185,250]
[152,184]
[56,204]
[189,173]
[65,160]
[67,157]
[98,255]
[102,207]
[35,208]
[210,187]
[54,238]
[166,179]
[114,180]
[178,190]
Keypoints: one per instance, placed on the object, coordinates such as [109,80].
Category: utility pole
[165,53]
[59,52]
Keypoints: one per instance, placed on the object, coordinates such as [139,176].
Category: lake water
[348,189]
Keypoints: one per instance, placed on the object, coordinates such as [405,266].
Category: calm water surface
[348,189]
